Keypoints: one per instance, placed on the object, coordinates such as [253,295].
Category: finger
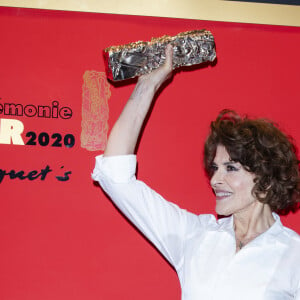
[169,57]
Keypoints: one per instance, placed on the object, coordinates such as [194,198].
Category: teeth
[223,194]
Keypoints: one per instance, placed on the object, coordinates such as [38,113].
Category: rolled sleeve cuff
[119,169]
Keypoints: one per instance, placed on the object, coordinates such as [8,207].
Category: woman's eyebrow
[230,163]
[225,163]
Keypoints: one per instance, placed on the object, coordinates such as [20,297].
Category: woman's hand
[161,74]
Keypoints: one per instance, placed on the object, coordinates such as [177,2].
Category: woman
[248,254]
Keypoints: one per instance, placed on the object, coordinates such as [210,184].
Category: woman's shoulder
[291,239]
[291,234]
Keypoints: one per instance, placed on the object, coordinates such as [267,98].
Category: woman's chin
[222,211]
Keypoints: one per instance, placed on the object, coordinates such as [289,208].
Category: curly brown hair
[262,149]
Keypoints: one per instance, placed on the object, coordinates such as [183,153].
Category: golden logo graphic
[95,111]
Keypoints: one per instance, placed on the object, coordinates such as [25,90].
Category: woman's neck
[251,222]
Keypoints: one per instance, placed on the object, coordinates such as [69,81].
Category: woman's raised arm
[124,134]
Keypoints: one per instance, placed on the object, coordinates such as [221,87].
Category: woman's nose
[216,179]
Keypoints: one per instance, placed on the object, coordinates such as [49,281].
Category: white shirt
[201,248]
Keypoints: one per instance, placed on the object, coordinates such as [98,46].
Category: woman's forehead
[222,154]
[222,157]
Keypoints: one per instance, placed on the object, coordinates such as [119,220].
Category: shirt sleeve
[163,223]
[297,295]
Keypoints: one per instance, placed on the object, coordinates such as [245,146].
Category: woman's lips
[220,195]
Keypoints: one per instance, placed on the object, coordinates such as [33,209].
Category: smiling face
[232,185]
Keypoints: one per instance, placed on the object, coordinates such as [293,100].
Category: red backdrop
[64,239]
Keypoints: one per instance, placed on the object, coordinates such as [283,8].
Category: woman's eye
[213,168]
[231,168]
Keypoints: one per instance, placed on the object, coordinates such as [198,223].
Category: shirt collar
[226,225]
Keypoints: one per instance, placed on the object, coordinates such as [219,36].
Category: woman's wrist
[144,89]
